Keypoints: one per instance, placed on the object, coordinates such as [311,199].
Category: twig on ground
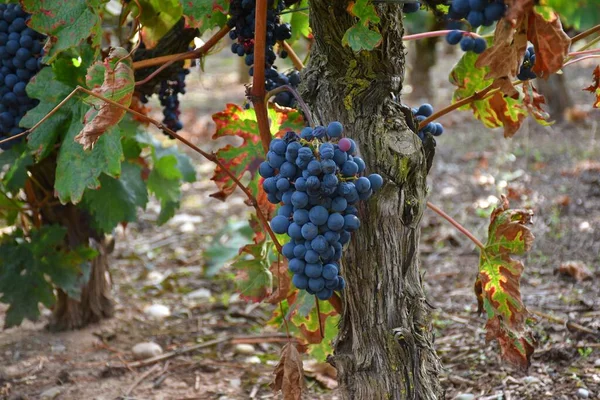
[140,379]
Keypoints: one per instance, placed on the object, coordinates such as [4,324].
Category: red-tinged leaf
[279,269]
[363,10]
[237,122]
[289,374]
[254,280]
[533,100]
[498,283]
[595,87]
[518,9]
[508,113]
[550,41]
[505,56]
[576,270]
[495,111]
[112,79]
[303,315]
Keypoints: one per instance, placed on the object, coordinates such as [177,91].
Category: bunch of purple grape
[242,22]
[21,50]
[169,98]
[317,178]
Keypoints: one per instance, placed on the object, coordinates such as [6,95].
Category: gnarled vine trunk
[95,302]
[385,345]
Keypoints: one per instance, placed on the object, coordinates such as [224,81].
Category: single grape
[344,144]
[300,281]
[313,270]
[479,45]
[351,223]
[330,271]
[280,224]
[335,129]
[425,110]
[453,38]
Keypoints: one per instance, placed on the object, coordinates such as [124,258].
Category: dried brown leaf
[576,270]
[289,374]
[118,85]
[550,41]
[279,270]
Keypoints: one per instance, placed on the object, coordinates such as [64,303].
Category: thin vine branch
[258,82]
[585,34]
[165,61]
[458,226]
[293,56]
[425,35]
[581,59]
[294,92]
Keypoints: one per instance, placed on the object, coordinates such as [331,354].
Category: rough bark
[385,345]
[557,95]
[95,302]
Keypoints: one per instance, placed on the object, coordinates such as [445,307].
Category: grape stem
[258,91]
[209,156]
[294,92]
[165,61]
[431,34]
[581,53]
[293,56]
[454,223]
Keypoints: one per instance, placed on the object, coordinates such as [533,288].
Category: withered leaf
[289,374]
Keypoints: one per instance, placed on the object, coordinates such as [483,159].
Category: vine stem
[258,80]
[581,53]
[294,92]
[458,226]
[165,61]
[425,35]
[581,59]
[585,34]
[209,156]
[321,330]
[293,56]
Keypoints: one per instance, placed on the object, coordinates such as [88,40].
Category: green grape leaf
[157,17]
[226,245]
[360,37]
[302,314]
[237,122]
[205,14]
[78,169]
[580,14]
[117,200]
[595,87]
[25,265]
[67,22]
[498,283]
[254,279]
[50,90]
[113,79]
[170,169]
[16,174]
[298,18]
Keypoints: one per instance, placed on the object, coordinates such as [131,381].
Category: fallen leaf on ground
[324,373]
[575,269]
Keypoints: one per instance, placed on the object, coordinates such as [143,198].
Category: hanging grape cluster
[317,179]
[525,72]
[21,50]
[477,13]
[242,22]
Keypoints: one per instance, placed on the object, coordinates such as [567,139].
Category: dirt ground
[553,170]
